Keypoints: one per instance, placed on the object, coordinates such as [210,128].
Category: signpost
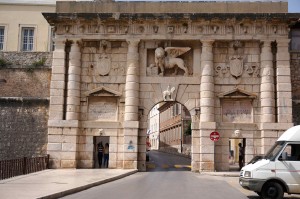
[214,136]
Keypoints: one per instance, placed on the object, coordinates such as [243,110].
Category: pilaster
[57,81]
[283,87]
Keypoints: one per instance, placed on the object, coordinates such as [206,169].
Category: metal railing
[22,166]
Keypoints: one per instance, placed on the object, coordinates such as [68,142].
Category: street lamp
[181,134]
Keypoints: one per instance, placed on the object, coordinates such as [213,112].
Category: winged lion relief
[168,58]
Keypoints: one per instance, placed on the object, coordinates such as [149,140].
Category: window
[292,152]
[2,31]
[27,39]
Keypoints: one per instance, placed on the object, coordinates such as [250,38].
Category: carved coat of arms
[103,64]
[236,65]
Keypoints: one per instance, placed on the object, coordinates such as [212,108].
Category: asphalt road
[168,177]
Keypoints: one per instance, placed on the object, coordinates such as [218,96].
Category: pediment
[237,93]
[103,91]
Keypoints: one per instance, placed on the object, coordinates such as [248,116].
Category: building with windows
[154,127]
[23,27]
[25,71]
[174,130]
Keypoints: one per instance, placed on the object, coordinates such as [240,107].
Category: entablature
[174,24]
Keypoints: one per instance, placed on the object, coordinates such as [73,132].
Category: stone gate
[113,61]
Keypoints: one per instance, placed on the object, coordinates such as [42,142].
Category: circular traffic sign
[214,136]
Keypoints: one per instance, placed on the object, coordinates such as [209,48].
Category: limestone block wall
[24,104]
[26,59]
[23,127]
[21,82]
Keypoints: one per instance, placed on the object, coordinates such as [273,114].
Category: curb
[84,187]
[221,174]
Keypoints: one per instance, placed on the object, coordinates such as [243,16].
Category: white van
[278,171]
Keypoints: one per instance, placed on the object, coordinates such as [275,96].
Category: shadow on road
[161,161]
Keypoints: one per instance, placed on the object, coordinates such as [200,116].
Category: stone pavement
[55,183]
[58,182]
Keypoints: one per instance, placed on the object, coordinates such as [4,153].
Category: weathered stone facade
[24,105]
[23,127]
[26,59]
[112,65]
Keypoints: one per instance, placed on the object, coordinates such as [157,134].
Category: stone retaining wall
[23,127]
[26,59]
[24,103]
[295,76]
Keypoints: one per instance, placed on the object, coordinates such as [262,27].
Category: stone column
[267,84]
[284,87]
[131,117]
[267,98]
[207,116]
[57,81]
[73,96]
[207,87]
[56,107]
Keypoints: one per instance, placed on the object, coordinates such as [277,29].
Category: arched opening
[168,137]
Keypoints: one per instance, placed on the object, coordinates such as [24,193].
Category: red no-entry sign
[214,136]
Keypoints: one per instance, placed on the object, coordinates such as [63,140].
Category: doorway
[97,140]
[234,153]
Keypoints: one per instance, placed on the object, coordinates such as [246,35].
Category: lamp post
[181,134]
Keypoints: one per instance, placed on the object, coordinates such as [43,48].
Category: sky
[294,5]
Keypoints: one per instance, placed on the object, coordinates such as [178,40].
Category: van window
[274,151]
[293,152]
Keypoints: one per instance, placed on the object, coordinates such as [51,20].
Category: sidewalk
[58,182]
[223,174]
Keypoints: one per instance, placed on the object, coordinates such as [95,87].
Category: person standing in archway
[106,155]
[241,156]
[100,153]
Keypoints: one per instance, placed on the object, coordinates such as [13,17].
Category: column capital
[59,40]
[134,42]
[207,42]
[283,42]
[266,43]
[75,42]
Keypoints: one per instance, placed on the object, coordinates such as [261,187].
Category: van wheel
[272,190]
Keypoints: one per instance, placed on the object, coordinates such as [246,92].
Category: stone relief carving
[167,94]
[236,65]
[253,70]
[155,29]
[103,65]
[118,69]
[235,27]
[223,70]
[170,61]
